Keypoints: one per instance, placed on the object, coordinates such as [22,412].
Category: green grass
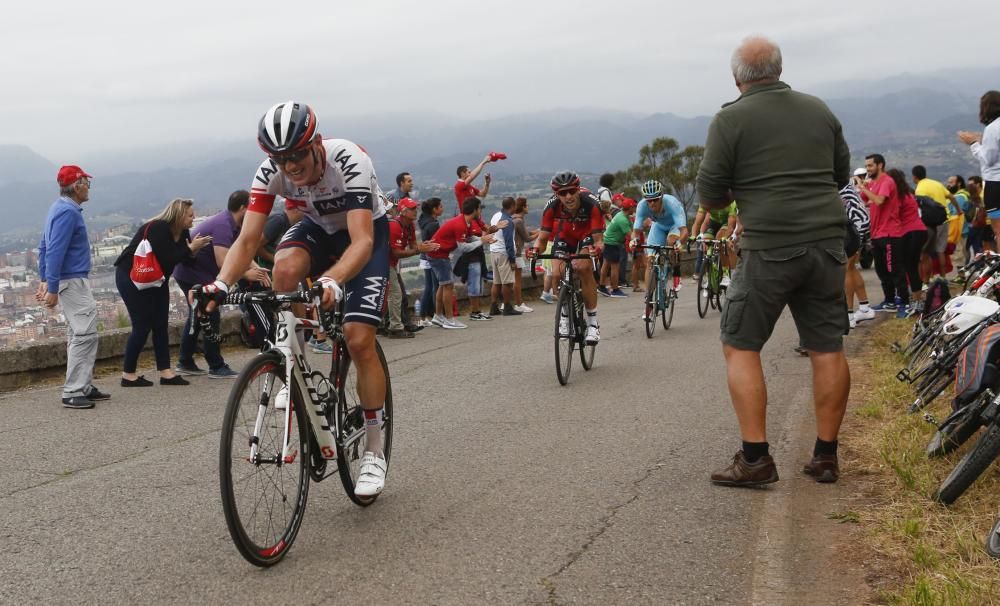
[936,552]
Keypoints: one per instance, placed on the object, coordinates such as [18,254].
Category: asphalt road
[504,487]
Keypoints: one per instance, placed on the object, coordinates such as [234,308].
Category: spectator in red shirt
[880,192]
[457,235]
[464,187]
[402,243]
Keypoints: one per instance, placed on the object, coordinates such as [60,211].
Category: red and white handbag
[146,271]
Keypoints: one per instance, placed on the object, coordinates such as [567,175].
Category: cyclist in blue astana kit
[343,238]
[667,223]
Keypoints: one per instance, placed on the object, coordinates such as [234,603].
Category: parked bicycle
[660,297]
[570,333]
[286,424]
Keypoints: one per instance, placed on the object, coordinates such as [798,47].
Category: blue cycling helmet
[652,190]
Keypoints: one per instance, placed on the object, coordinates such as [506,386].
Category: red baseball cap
[408,203]
[69,175]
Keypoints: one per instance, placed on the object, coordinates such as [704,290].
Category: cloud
[114,75]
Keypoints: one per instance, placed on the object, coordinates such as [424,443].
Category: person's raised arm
[475,172]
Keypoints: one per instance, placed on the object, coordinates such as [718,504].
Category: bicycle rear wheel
[704,295]
[667,313]
[715,282]
[564,343]
[972,465]
[351,420]
[263,499]
[993,541]
[651,308]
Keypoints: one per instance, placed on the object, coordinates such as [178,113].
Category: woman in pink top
[879,191]
[914,232]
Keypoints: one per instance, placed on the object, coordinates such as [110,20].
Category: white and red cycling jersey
[348,183]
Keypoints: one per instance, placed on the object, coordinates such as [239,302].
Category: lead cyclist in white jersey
[343,238]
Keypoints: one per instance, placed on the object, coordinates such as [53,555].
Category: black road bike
[570,305]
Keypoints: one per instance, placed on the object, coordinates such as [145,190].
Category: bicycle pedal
[903,376]
[895,348]
[930,419]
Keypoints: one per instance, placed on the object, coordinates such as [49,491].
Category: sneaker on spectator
[886,306]
[193,369]
[495,310]
[480,316]
[438,320]
[548,298]
[603,290]
[864,314]
[223,372]
[618,294]
[694,278]
[903,311]
[320,347]
[452,323]
[523,308]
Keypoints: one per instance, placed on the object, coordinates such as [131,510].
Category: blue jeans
[213,355]
[427,303]
[148,311]
[475,283]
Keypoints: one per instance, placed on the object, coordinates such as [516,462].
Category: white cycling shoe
[281,398]
[593,334]
[726,281]
[371,475]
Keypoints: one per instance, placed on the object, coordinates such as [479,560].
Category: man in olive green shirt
[781,155]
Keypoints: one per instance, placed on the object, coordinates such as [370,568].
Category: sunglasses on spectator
[295,156]
[567,192]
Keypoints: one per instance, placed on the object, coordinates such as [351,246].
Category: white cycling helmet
[965,312]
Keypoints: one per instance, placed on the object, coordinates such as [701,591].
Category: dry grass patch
[922,553]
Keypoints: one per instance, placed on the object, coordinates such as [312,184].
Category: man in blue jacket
[64,264]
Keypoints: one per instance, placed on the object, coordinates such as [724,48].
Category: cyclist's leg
[365,294]
[657,237]
[300,253]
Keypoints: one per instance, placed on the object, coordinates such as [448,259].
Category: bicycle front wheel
[651,308]
[351,420]
[955,431]
[564,342]
[264,496]
[704,296]
[715,282]
[972,465]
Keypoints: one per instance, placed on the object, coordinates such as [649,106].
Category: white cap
[860,172]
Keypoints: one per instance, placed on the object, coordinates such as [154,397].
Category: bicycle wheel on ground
[564,343]
[264,497]
[972,465]
[351,421]
[650,308]
[667,313]
[703,293]
[955,430]
[715,294]
[993,541]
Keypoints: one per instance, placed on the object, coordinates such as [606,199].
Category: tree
[664,161]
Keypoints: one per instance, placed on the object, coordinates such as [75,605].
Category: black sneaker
[80,402]
[478,315]
[174,380]
[92,393]
[223,372]
[185,369]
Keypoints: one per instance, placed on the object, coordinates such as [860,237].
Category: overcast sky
[107,75]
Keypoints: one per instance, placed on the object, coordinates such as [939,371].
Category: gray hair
[756,59]
[68,190]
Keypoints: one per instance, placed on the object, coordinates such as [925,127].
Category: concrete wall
[32,363]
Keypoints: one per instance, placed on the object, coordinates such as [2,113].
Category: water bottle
[416,308]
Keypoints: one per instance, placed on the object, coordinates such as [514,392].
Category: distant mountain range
[908,118]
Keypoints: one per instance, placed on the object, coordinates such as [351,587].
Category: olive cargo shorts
[808,278]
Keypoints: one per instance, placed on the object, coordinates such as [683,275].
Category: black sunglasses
[295,156]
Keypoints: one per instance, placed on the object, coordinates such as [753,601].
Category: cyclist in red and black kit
[572,219]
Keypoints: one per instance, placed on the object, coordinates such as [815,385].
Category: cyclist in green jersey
[717,224]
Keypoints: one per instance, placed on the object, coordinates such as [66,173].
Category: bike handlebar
[557,257]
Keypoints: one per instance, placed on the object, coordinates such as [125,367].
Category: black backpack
[931,213]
